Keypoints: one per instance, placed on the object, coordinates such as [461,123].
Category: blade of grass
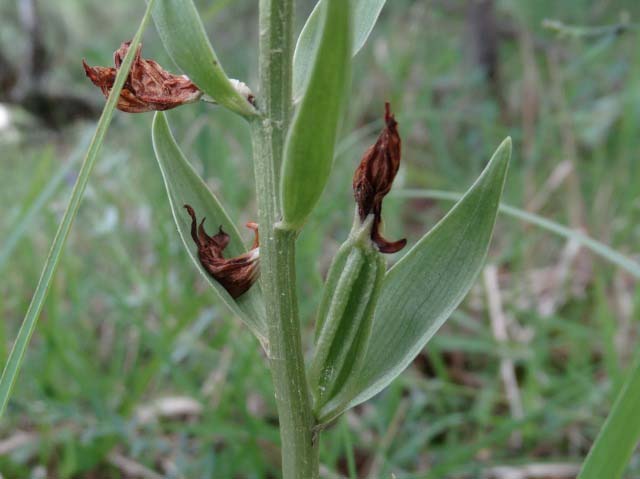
[600,249]
[464,457]
[12,367]
[20,227]
[620,434]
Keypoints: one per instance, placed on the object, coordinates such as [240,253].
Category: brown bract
[237,274]
[373,179]
[148,87]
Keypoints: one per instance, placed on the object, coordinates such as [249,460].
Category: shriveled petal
[148,86]
[237,274]
[374,177]
[385,246]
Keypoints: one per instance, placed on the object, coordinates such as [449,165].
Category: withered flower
[373,179]
[148,87]
[237,274]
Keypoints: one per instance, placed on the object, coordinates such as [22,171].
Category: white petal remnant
[243,89]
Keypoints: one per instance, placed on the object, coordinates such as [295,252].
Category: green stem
[277,247]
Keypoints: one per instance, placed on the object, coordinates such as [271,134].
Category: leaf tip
[506,146]
[502,156]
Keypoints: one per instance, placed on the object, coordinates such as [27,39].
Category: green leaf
[184,186]
[185,39]
[427,284]
[620,434]
[16,356]
[311,140]
[365,14]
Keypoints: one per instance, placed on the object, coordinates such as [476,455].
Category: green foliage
[180,28]
[343,324]
[128,321]
[308,154]
[16,356]
[20,228]
[422,290]
[184,186]
[364,16]
[598,248]
[620,434]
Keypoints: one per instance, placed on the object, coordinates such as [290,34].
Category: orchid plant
[372,320]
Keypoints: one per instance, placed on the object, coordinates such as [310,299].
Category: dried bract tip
[148,86]
[237,274]
[373,179]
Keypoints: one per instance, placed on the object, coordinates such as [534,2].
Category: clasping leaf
[185,39]
[184,186]
[422,290]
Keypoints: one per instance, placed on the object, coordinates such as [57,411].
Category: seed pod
[346,312]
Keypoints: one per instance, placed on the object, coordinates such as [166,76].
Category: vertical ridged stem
[277,248]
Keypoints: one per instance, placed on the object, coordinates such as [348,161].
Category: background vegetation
[136,370]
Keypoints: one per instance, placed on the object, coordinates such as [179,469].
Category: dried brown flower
[373,179]
[148,87]
[237,274]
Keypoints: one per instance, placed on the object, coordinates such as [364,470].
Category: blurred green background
[137,371]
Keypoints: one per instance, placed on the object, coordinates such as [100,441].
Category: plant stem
[277,248]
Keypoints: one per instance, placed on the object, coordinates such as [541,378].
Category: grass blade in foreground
[308,154]
[12,368]
[605,252]
[364,15]
[185,39]
[184,186]
[427,284]
[620,434]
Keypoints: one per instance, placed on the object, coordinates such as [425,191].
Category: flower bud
[373,179]
[148,86]
[237,274]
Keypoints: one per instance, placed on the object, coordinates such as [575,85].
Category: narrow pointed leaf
[28,326]
[310,144]
[610,454]
[427,284]
[185,39]
[184,186]
[365,14]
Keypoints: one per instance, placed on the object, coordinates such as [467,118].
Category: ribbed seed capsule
[344,321]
